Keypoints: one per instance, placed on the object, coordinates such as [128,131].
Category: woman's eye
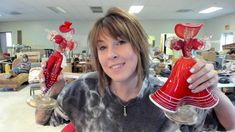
[101,48]
[121,42]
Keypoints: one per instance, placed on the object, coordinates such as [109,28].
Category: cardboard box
[230,57]
[209,56]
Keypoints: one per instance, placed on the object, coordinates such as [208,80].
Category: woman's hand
[203,76]
[56,88]
[42,77]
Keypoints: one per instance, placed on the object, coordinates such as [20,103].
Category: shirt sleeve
[207,122]
[72,100]
[212,123]
[58,115]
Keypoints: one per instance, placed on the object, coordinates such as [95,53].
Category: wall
[3,42]
[215,27]
[34,34]
[157,27]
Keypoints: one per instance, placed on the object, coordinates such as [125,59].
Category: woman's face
[117,58]
[25,59]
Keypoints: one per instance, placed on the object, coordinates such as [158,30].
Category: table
[85,66]
[230,60]
[71,75]
[67,75]
[229,85]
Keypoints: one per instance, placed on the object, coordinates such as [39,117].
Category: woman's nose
[112,54]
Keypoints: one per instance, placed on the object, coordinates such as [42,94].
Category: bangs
[113,27]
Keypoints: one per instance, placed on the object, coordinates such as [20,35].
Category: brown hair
[119,23]
[25,56]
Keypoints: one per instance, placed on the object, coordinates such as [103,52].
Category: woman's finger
[56,88]
[207,77]
[60,76]
[43,64]
[212,83]
[41,76]
[200,64]
[203,74]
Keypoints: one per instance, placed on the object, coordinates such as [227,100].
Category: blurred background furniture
[34,82]
[13,83]
[33,56]
[33,79]
[4,59]
[84,66]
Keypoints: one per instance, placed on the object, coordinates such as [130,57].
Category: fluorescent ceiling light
[61,9]
[57,9]
[211,9]
[135,9]
[96,9]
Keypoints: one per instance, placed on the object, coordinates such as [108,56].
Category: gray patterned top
[90,112]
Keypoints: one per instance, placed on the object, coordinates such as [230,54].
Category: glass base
[41,102]
[185,115]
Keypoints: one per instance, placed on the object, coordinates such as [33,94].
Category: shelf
[229,46]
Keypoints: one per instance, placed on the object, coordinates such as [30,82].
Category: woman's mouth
[117,66]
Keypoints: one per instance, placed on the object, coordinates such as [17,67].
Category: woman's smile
[117,66]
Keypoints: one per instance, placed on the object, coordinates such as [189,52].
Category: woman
[116,97]
[23,67]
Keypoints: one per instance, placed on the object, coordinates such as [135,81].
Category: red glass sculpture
[53,65]
[175,92]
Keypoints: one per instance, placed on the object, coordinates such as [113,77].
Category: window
[5,41]
[226,38]
[8,39]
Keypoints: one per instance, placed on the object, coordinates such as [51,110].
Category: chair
[13,83]
[33,80]
[33,87]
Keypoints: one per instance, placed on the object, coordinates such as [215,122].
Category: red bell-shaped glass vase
[175,92]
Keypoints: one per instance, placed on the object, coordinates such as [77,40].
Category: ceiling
[25,10]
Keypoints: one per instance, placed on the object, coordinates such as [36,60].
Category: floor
[17,116]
